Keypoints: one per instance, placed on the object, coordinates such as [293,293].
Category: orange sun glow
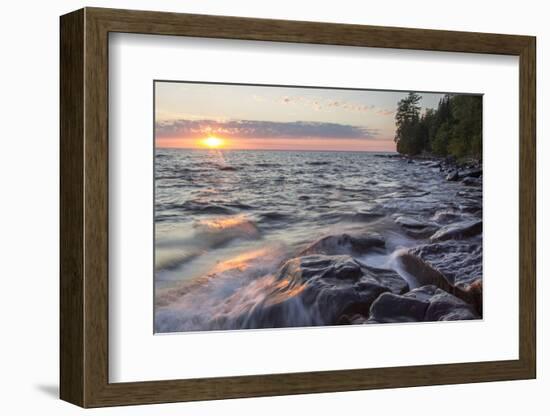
[212,142]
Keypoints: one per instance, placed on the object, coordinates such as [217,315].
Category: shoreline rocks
[330,288]
[454,267]
[447,267]
[458,231]
[416,228]
[344,244]
[424,304]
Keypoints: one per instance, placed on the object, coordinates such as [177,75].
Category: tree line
[452,129]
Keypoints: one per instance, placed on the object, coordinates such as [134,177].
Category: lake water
[225,222]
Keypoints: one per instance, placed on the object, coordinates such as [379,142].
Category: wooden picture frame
[84,207]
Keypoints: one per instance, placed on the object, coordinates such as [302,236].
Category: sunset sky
[194,115]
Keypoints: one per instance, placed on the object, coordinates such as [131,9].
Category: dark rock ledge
[455,267]
[424,304]
[330,288]
[343,244]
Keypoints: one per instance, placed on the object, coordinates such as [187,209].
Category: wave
[274,216]
[206,235]
[267,165]
[319,163]
[227,168]
[223,299]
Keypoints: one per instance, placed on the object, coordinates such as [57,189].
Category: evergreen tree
[407,119]
[453,129]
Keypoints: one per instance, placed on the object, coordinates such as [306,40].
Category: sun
[212,142]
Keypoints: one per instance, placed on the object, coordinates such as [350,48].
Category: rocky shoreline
[329,278]
[468,171]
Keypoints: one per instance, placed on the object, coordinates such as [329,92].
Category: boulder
[422,271]
[446,307]
[455,267]
[452,176]
[464,229]
[416,228]
[344,244]
[471,181]
[446,216]
[422,293]
[427,303]
[409,222]
[470,173]
[472,293]
[390,307]
[356,319]
[459,262]
[326,287]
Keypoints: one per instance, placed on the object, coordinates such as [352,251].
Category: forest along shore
[413,255]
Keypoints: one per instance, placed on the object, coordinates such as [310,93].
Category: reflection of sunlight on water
[240,262]
[221,223]
[185,256]
[218,155]
[222,229]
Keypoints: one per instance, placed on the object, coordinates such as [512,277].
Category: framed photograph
[256,207]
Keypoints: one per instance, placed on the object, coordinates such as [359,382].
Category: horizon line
[275,150]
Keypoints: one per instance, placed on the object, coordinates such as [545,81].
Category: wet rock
[455,267]
[363,217]
[446,216]
[457,262]
[330,267]
[328,287]
[472,293]
[471,181]
[415,228]
[459,230]
[471,173]
[356,319]
[422,293]
[387,278]
[337,270]
[422,271]
[344,244]
[446,307]
[453,176]
[427,303]
[395,308]
[409,222]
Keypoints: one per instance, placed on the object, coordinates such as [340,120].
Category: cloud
[260,129]
[321,104]
[385,112]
